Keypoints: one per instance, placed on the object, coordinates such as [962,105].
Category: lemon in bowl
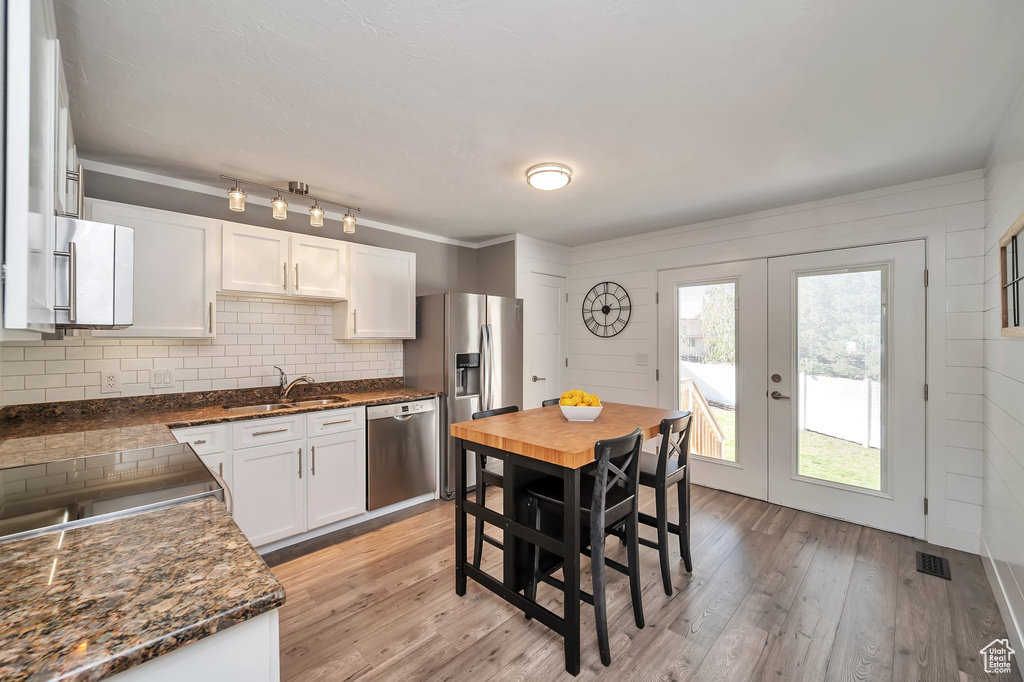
[580,406]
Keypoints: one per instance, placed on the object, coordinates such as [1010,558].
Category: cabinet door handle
[300,462]
[220,469]
[285,286]
[354,329]
[199,441]
[72,307]
[313,453]
[337,421]
[211,317]
[77,176]
[296,276]
[267,433]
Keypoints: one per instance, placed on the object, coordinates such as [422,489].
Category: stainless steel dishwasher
[401,452]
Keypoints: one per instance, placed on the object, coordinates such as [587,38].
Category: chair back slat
[675,441]
[620,457]
[549,403]
[495,412]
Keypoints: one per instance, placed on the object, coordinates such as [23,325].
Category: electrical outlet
[111,382]
[161,378]
[641,359]
[390,368]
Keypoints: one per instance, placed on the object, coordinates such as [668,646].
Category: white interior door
[546,334]
[712,323]
[847,373]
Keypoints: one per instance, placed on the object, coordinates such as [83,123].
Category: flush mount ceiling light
[548,176]
[236,202]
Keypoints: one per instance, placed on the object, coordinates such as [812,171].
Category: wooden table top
[544,434]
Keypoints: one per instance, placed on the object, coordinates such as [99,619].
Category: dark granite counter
[103,598]
[34,434]
[85,604]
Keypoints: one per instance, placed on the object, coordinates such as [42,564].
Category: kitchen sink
[270,407]
[318,403]
[248,409]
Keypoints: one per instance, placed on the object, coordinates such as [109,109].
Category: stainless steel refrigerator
[469,347]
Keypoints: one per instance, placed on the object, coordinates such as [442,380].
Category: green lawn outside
[823,457]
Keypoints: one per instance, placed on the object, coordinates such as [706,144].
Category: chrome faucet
[286,386]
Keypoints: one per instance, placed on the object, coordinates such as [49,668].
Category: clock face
[606,309]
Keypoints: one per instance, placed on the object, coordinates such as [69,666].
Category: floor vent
[933,565]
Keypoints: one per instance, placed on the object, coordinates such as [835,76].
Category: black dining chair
[549,403]
[662,471]
[484,478]
[608,498]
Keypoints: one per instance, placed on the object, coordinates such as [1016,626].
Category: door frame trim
[887,229]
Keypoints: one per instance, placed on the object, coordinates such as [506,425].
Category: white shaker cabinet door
[176,259]
[319,267]
[30,166]
[337,478]
[268,490]
[381,298]
[255,260]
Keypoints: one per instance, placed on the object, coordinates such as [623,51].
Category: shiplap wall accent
[948,212]
[1002,533]
[253,335]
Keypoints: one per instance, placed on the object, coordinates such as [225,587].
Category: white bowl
[580,413]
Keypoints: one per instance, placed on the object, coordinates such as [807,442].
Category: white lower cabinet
[283,483]
[336,486]
[269,492]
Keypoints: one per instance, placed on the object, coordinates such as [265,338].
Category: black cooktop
[41,497]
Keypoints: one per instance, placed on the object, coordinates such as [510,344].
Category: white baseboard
[355,520]
[963,540]
[1013,628]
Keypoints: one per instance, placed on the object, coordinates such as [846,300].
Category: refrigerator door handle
[486,360]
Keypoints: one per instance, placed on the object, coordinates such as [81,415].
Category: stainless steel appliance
[96,282]
[469,347]
[401,443]
[115,484]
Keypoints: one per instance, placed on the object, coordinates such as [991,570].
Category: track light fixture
[236,199]
[279,206]
[316,215]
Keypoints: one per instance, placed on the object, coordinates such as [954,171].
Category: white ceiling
[427,114]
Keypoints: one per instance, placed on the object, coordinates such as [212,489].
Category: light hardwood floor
[775,594]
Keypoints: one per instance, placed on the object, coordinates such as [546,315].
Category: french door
[805,375]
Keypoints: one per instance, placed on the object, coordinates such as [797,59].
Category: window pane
[707,367]
[839,387]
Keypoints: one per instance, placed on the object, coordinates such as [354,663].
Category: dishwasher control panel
[399,409]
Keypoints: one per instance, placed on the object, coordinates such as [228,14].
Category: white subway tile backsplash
[253,336]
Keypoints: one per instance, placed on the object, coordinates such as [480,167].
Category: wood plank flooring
[776,594]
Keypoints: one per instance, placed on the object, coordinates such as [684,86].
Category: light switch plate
[161,378]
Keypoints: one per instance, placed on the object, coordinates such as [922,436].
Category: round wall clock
[606,309]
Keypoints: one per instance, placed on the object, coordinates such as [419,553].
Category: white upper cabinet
[33,73]
[319,267]
[381,295]
[176,271]
[255,260]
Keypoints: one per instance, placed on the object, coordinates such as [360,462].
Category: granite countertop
[51,432]
[84,604]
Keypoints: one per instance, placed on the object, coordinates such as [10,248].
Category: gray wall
[496,269]
[439,267]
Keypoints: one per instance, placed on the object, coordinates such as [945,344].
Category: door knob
[778,396]
[537,378]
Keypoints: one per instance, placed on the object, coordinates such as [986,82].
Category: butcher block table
[532,444]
